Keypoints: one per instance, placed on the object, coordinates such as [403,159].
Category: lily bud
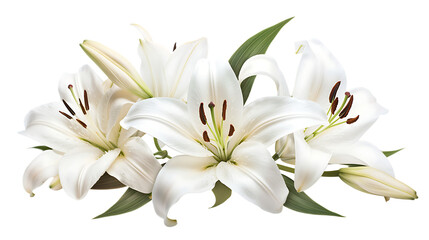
[117,68]
[374,181]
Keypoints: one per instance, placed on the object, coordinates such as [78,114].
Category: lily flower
[221,139]
[373,181]
[163,73]
[321,79]
[87,141]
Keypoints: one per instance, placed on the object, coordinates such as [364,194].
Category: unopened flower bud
[374,181]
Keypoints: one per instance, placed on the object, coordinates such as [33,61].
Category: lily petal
[310,163]
[143,32]
[153,58]
[181,65]
[179,176]
[84,80]
[117,68]
[264,65]
[318,72]
[79,170]
[46,125]
[138,167]
[263,124]
[215,82]
[167,120]
[363,153]
[365,105]
[41,169]
[253,174]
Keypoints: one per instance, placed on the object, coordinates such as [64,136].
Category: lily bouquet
[93,137]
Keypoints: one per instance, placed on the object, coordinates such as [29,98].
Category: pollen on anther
[346,109]
[334,90]
[231,130]
[174,47]
[85,98]
[69,108]
[206,136]
[202,114]
[334,106]
[65,114]
[224,110]
[81,123]
[82,107]
[352,120]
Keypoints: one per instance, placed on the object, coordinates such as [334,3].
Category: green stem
[334,173]
[157,145]
[162,153]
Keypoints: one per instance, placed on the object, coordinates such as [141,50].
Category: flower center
[84,125]
[215,140]
[334,114]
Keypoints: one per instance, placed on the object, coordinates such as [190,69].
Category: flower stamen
[69,108]
[85,98]
[231,130]
[334,90]
[206,136]
[81,123]
[346,110]
[224,110]
[352,120]
[203,117]
[66,115]
[82,107]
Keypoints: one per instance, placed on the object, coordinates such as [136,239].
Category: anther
[352,120]
[81,123]
[202,114]
[224,110]
[211,105]
[334,90]
[174,47]
[69,108]
[82,107]
[346,110]
[85,98]
[334,106]
[66,115]
[206,136]
[231,130]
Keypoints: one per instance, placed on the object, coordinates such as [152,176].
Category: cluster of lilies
[195,106]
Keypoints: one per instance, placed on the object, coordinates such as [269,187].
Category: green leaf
[300,202]
[130,201]
[107,182]
[221,192]
[390,153]
[258,44]
[43,148]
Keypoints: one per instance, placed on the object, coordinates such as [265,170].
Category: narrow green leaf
[390,153]
[258,44]
[221,192]
[130,201]
[300,202]
[43,148]
[107,182]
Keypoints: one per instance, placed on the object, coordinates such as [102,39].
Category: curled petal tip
[170,222]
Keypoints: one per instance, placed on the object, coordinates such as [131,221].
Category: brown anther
[85,98]
[231,130]
[347,108]
[224,110]
[202,114]
[69,108]
[352,120]
[347,94]
[82,107]
[334,106]
[70,86]
[66,115]
[206,136]
[174,47]
[211,105]
[334,90]
[81,123]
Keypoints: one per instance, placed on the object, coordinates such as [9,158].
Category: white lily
[88,141]
[320,78]
[227,144]
[163,73]
[374,181]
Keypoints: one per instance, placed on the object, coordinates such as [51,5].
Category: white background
[382,45]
